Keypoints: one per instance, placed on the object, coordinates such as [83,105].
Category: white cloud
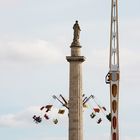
[100,57]
[30,51]
[20,119]
[24,118]
[131,138]
[10,3]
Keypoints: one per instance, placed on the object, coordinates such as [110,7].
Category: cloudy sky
[35,36]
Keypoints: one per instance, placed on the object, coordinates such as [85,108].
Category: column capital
[75,58]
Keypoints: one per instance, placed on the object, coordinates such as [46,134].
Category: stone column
[75,88]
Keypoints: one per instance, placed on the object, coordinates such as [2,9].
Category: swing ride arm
[87,99]
[64,104]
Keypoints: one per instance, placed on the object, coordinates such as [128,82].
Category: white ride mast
[113,75]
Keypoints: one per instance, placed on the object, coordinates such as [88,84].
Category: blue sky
[35,36]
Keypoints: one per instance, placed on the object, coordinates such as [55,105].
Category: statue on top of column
[76,34]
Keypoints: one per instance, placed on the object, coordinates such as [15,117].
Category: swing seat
[37,119]
[99,121]
[109,117]
[46,117]
[85,106]
[42,108]
[61,111]
[55,121]
[96,110]
[48,107]
[104,108]
[92,115]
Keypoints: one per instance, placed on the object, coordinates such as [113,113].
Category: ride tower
[113,75]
